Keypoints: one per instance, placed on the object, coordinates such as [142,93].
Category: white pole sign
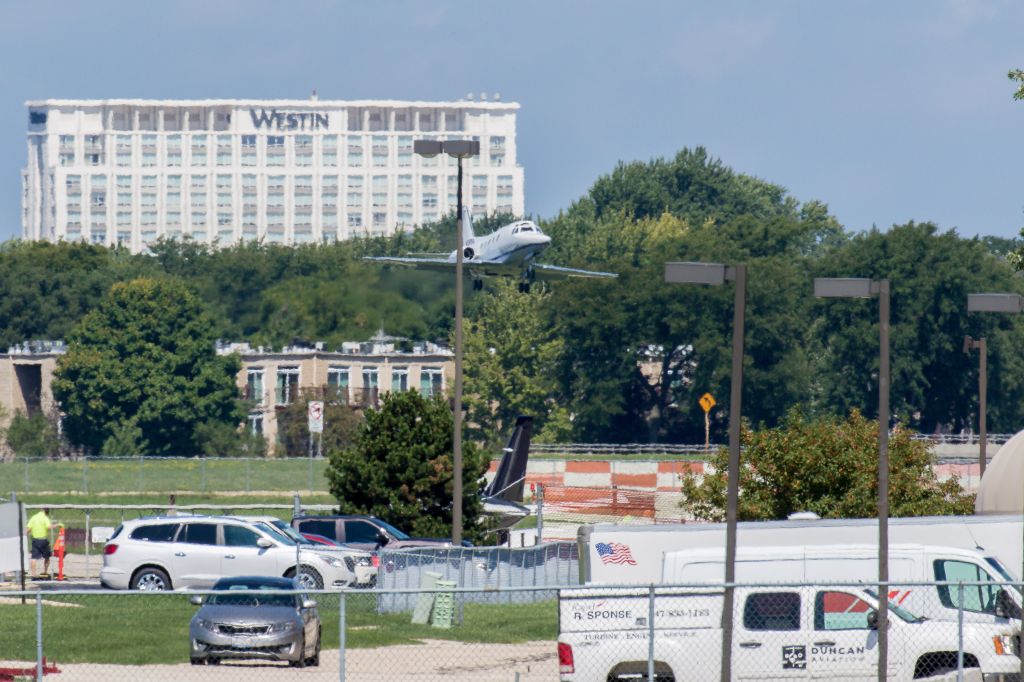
[316,416]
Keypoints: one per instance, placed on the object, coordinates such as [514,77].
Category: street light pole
[982,347]
[834,287]
[459,150]
[717,274]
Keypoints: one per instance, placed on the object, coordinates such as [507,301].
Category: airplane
[509,251]
[502,497]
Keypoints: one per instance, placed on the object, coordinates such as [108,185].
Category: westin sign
[288,120]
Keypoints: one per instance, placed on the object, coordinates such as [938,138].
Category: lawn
[138,629]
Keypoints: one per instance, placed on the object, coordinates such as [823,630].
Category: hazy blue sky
[887,111]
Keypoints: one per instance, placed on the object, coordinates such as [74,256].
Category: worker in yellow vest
[38,530]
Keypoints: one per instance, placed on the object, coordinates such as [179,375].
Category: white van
[817,564]
[781,633]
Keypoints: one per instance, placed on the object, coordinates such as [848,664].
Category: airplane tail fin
[511,475]
[467,225]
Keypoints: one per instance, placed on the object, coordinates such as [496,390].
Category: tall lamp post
[982,347]
[993,303]
[839,287]
[459,150]
[717,274]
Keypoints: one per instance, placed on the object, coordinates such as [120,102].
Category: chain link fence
[583,634]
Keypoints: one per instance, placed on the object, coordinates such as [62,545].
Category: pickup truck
[780,633]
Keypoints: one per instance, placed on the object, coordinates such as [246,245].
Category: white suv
[179,552]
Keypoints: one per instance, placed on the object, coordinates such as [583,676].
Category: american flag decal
[615,553]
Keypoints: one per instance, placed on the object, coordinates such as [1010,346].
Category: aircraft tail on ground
[508,481]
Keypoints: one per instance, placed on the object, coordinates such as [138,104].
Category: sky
[886,111]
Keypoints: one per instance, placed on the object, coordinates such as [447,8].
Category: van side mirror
[873,620]
[1005,606]
[264,543]
[196,599]
[309,604]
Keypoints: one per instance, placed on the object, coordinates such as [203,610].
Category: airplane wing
[547,272]
[442,264]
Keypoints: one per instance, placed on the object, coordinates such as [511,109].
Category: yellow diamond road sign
[707,402]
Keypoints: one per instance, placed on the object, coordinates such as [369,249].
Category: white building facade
[285,171]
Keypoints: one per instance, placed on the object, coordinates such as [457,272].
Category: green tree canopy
[400,469]
[828,466]
[141,373]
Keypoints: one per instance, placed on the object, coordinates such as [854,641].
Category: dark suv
[362,532]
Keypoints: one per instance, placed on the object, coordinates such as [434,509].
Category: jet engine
[468,253]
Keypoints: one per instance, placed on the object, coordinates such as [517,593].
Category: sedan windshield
[234,598]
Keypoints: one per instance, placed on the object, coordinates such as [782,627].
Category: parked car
[178,552]
[240,623]
[364,532]
[365,562]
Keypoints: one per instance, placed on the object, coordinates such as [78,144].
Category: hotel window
[172,200]
[148,219]
[147,197]
[303,150]
[451,121]
[73,185]
[120,121]
[337,383]
[198,221]
[355,152]
[199,157]
[380,151]
[149,150]
[497,150]
[255,424]
[329,190]
[98,193]
[428,185]
[224,151]
[98,236]
[329,150]
[355,220]
[248,150]
[404,218]
[287,385]
[67,142]
[427,121]
[174,150]
[400,379]
[429,217]
[123,150]
[94,150]
[378,121]
[124,238]
[249,200]
[380,219]
[405,191]
[124,218]
[453,190]
[74,218]
[275,150]
[224,192]
[354,197]
[197,193]
[198,232]
[173,221]
[124,191]
[431,381]
[405,150]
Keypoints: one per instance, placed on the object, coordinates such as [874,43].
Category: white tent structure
[1002,487]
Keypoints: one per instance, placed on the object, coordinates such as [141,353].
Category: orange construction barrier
[58,549]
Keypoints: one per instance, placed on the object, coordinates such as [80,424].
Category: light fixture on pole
[459,150]
[991,303]
[846,287]
[716,274]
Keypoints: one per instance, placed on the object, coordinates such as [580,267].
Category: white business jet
[509,251]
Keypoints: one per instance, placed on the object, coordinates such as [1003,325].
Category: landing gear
[478,284]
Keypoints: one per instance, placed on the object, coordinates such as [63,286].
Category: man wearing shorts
[39,533]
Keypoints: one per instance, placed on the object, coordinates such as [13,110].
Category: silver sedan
[244,620]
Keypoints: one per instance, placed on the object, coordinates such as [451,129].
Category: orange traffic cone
[58,549]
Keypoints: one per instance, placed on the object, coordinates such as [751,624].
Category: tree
[828,466]
[33,435]
[1017,76]
[511,353]
[400,468]
[141,374]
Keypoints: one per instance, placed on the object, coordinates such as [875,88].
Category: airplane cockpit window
[526,228]
[515,230]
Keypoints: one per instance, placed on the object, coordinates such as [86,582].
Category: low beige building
[356,374]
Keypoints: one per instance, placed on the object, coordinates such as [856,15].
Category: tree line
[593,361]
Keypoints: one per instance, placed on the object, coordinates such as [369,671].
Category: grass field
[143,629]
[143,474]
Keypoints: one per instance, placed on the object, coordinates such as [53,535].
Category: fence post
[26,475]
[540,513]
[650,635]
[341,636]
[310,475]
[39,636]
[85,474]
[960,632]
[202,466]
[248,463]
[88,541]
[141,486]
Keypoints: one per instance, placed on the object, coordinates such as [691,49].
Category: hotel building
[288,172]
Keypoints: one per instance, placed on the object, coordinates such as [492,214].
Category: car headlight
[1003,644]
[286,626]
[364,561]
[333,561]
[206,624]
